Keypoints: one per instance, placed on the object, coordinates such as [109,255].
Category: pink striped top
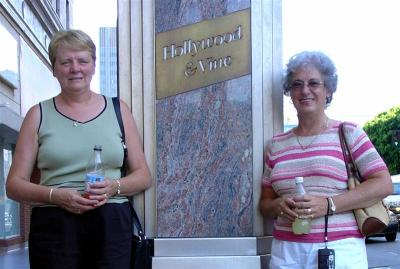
[322,166]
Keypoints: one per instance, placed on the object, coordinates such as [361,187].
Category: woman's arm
[18,184]
[374,188]
[138,175]
[269,202]
[376,185]
[272,205]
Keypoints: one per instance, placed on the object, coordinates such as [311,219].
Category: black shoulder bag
[142,247]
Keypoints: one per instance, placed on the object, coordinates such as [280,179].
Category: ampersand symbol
[190,69]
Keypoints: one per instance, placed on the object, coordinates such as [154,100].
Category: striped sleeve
[365,155]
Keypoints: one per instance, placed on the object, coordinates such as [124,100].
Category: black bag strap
[136,221]
[117,109]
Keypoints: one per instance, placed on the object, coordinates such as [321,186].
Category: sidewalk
[15,257]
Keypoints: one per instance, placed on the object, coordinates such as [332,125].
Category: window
[9,59]
[396,188]
[9,209]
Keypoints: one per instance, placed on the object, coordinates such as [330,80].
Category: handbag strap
[117,109]
[136,221]
[351,166]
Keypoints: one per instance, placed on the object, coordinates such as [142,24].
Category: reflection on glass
[9,57]
[396,188]
[9,224]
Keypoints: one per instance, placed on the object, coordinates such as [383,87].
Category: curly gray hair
[318,60]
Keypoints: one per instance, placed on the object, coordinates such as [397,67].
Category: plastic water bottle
[94,169]
[300,225]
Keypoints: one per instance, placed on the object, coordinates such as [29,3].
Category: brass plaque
[202,54]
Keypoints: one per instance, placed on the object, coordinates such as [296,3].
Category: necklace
[304,147]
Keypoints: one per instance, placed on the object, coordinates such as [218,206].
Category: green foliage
[380,130]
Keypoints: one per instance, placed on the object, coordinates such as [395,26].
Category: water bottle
[300,225]
[94,169]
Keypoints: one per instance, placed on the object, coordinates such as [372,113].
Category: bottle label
[92,178]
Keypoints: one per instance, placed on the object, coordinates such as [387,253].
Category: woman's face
[73,69]
[308,91]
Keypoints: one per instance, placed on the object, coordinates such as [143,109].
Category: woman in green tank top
[71,227]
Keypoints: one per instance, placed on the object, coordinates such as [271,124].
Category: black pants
[98,239]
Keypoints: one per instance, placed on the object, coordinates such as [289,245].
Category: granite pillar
[204,143]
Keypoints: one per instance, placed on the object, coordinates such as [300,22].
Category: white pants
[350,253]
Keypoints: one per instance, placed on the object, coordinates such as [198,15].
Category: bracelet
[119,186]
[328,209]
[331,206]
[51,192]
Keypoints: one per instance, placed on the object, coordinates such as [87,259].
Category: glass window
[9,209]
[9,58]
[396,188]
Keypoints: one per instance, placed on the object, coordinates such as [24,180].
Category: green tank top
[65,146]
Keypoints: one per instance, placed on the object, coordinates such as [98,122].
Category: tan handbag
[372,219]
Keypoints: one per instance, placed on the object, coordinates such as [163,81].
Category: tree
[384,132]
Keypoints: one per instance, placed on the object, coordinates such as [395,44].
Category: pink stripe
[282,151]
[334,172]
[296,173]
[383,167]
[316,237]
[266,184]
[294,156]
[350,224]
[364,147]
[359,140]
[283,136]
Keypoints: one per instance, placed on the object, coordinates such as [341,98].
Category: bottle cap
[97,147]
[298,179]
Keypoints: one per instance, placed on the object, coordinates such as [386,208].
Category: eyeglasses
[312,84]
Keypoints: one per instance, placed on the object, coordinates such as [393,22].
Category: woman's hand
[286,209]
[101,191]
[72,201]
[310,206]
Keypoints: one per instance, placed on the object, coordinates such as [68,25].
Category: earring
[290,101]
[328,99]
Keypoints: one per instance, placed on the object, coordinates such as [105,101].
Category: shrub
[382,131]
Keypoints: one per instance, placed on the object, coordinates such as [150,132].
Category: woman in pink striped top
[312,150]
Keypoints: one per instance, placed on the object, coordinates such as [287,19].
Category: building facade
[26,27]
[108,61]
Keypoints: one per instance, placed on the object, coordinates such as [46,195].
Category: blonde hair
[74,39]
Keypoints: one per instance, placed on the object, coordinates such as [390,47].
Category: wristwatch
[331,205]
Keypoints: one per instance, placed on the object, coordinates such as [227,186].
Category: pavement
[15,257]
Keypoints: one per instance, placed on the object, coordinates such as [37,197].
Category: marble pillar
[204,140]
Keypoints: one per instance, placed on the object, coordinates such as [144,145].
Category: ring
[105,195]
[308,210]
[282,213]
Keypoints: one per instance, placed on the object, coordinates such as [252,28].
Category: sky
[360,36]
[106,16]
